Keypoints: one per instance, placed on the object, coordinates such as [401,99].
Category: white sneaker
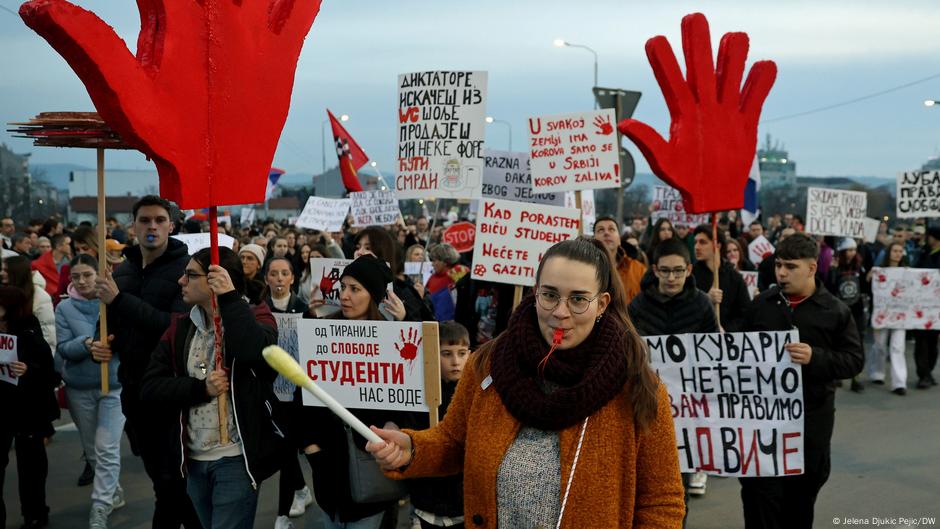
[118,500]
[302,498]
[98,518]
[697,483]
[283,522]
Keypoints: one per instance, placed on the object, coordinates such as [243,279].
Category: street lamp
[562,43]
[489,119]
[343,118]
[375,166]
[931,102]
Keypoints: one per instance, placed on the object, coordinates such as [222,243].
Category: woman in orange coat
[558,419]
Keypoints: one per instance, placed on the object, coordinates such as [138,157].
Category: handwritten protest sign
[512,236]
[759,249]
[197,241]
[667,204]
[441,122]
[7,355]
[736,399]
[836,212]
[286,340]
[919,194]
[324,214]
[750,279]
[905,298]
[574,151]
[374,208]
[506,176]
[365,364]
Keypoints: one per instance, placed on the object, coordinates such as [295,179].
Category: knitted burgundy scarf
[587,376]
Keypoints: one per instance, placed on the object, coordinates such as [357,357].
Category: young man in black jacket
[141,295]
[829,349]
[925,341]
[223,476]
[731,295]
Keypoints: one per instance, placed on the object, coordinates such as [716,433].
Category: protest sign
[918,194]
[286,340]
[905,298]
[506,176]
[247,216]
[460,235]
[197,241]
[419,271]
[441,125]
[570,152]
[374,208]
[324,214]
[750,279]
[836,212]
[325,273]
[759,249]
[588,210]
[668,204]
[8,355]
[736,400]
[512,236]
[368,364]
[871,229]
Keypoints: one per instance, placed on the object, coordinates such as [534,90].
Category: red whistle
[559,335]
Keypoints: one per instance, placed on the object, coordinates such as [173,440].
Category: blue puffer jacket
[76,319]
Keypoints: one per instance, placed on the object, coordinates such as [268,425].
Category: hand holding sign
[713,135]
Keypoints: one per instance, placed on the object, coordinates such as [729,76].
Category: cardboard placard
[905,298]
[506,176]
[512,236]
[737,390]
[918,194]
[326,273]
[7,355]
[668,204]
[576,151]
[441,126]
[750,279]
[197,241]
[287,340]
[871,229]
[836,212]
[324,214]
[759,249]
[374,208]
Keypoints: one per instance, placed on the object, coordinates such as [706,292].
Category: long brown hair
[20,275]
[642,382]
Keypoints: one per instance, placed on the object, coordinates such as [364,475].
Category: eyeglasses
[668,272]
[577,303]
[190,275]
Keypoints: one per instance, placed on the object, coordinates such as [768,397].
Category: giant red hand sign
[713,135]
[205,97]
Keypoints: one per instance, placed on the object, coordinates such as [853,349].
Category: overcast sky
[826,52]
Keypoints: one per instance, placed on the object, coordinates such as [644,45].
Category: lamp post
[489,119]
[343,118]
[931,102]
[562,43]
[375,166]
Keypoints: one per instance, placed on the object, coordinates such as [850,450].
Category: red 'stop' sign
[461,236]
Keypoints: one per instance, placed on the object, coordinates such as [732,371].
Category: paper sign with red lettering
[324,214]
[461,236]
[512,236]
[507,177]
[286,340]
[668,204]
[374,208]
[441,125]
[7,355]
[759,249]
[574,151]
[905,298]
[372,365]
[736,401]
[750,279]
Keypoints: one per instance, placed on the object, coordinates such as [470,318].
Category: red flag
[351,157]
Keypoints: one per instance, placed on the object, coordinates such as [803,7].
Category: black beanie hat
[373,273]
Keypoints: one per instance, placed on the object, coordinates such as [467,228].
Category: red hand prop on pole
[713,134]
[205,97]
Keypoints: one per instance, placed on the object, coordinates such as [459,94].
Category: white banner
[512,236]
[668,204]
[759,249]
[905,298]
[197,241]
[574,151]
[286,340]
[365,364]
[836,212]
[374,208]
[507,177]
[441,126]
[324,214]
[918,194]
[8,355]
[736,399]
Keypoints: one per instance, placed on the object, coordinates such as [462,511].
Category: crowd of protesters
[631,279]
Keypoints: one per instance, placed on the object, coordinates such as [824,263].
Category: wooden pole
[431,345]
[716,260]
[217,325]
[577,204]
[102,268]
[517,297]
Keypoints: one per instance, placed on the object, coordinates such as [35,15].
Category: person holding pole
[141,295]
[560,421]
[223,479]
[730,295]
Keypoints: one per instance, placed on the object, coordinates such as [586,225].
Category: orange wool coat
[631,273]
[623,479]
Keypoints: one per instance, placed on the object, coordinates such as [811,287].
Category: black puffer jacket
[654,314]
[734,293]
[30,406]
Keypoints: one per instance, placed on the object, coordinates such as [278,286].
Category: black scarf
[587,376]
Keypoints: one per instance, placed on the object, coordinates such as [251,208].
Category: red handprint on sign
[327,282]
[925,279]
[604,127]
[408,349]
[713,135]
[207,93]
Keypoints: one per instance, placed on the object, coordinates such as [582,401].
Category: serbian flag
[273,176]
[350,155]
[751,208]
